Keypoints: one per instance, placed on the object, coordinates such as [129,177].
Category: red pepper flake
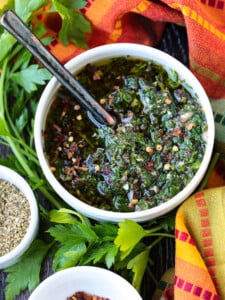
[169,156]
[59,129]
[160,133]
[149,165]
[85,296]
[106,171]
[111,98]
[81,168]
[177,131]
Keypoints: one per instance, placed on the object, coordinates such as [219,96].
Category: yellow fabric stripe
[185,250]
[193,15]
[142,6]
[189,254]
[117,32]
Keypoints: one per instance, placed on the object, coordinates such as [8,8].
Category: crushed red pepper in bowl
[85,296]
[85,282]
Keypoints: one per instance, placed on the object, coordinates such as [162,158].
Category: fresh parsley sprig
[74,240]
[74,25]
[125,246]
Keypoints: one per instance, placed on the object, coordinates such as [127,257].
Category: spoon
[15,26]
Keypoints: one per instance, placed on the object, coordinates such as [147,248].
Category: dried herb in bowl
[14,216]
[150,156]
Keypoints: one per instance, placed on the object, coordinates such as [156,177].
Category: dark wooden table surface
[174,42]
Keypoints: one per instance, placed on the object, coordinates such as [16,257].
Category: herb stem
[18,146]
[28,151]
[155,242]
[8,137]
[19,156]
[152,230]
[162,234]
[2,79]
[31,174]
[51,198]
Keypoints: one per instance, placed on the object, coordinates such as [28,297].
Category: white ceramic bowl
[93,280]
[138,51]
[13,256]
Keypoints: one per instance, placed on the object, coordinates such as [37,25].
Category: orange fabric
[217,177]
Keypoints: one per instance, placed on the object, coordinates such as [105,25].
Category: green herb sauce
[149,157]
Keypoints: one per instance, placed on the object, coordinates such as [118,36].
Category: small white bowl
[14,255]
[106,52]
[93,280]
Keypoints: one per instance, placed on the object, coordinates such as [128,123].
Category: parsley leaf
[27,271]
[82,243]
[24,9]
[106,231]
[65,215]
[105,252]
[129,234]
[22,120]
[72,4]
[138,265]
[74,25]
[72,233]
[31,76]
[68,255]
[6,42]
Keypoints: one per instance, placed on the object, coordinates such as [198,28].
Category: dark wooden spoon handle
[15,26]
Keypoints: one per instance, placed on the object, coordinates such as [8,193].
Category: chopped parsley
[152,153]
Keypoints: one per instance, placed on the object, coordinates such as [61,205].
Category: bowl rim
[72,272]
[92,55]
[16,179]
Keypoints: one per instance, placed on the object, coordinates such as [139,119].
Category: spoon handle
[15,26]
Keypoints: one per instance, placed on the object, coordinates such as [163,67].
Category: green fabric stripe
[199,69]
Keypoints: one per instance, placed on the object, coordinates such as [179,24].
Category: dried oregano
[14,216]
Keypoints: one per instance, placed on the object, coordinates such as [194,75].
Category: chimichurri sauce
[152,153]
